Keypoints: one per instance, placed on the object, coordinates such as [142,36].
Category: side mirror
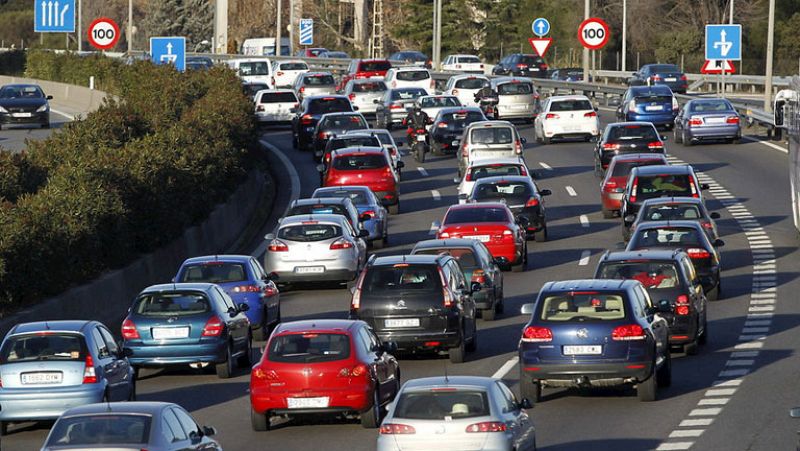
[463,196]
[718,243]
[400,144]
[195,437]
[545,192]
[269,236]
[365,217]
[363,233]
[376,101]
[527,309]
[664,306]
[49,97]
[525,403]
[664,137]
[630,218]
[501,261]
[243,307]
[320,168]
[523,140]
[209,431]
[456,180]
[126,352]
[615,101]
[593,139]
[400,165]
[232,311]
[704,186]
[293,110]
[714,215]
[795,413]
[355,108]
[523,220]
[475,287]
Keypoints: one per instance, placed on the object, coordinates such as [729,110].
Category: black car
[199,63]
[448,127]
[661,74]
[521,195]
[594,333]
[414,57]
[690,237]
[421,302]
[676,209]
[308,114]
[569,74]
[626,137]
[24,104]
[334,124]
[670,278]
[251,89]
[521,65]
[348,140]
[478,266]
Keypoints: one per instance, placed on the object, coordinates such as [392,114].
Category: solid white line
[674,446]
[584,258]
[571,191]
[422,171]
[71,117]
[697,422]
[545,165]
[433,229]
[769,144]
[584,220]
[500,373]
[683,433]
[436,195]
[294,178]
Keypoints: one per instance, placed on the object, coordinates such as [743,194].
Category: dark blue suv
[594,333]
[654,104]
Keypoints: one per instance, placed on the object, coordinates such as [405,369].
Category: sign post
[724,42]
[169,50]
[593,34]
[103,33]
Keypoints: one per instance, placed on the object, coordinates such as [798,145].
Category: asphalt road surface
[13,137]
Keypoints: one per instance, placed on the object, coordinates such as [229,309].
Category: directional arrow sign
[717,67]
[540,45]
[724,42]
[540,27]
[169,50]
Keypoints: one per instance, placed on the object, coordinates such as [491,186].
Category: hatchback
[314,84]
[334,124]
[465,87]
[387,141]
[521,195]
[623,138]
[517,98]
[668,75]
[244,280]
[49,367]
[421,302]
[156,426]
[521,65]
[373,216]
[489,167]
[364,68]
[342,206]
[478,266]
[448,128]
[308,114]
[24,104]
[655,104]
[489,139]
[410,77]
[393,107]
[616,178]
[275,106]
[468,64]
[323,366]
[566,117]
[363,93]
[707,120]
[285,72]
[594,333]
[457,413]
[346,140]
[678,208]
[365,166]
[253,70]
[193,324]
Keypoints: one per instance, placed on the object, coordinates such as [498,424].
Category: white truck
[264,46]
[786,109]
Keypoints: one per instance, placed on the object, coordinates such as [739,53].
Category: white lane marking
[584,220]
[683,433]
[744,354]
[294,178]
[422,171]
[545,165]
[503,370]
[749,345]
[713,402]
[734,373]
[743,362]
[436,195]
[766,143]
[696,422]
[71,117]
[584,258]
[709,412]
[433,229]
[674,446]
[757,323]
[727,383]
[720,392]
[571,191]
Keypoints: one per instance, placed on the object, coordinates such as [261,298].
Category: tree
[193,19]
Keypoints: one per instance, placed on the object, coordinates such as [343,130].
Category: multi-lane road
[13,137]
[734,395]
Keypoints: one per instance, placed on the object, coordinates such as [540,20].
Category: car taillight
[478,276]
[322,135]
[395,106]
[129,331]
[656,78]
[448,299]
[590,114]
[442,125]
[611,146]
[306,119]
[551,116]
[696,252]
[487,426]
[247,289]
[302,89]
[395,428]
[693,185]
[655,145]
[341,243]
[634,188]
[260,108]
[675,106]
[351,96]
[357,371]
[277,246]
[695,121]
[355,302]
[393,151]
[433,83]
[532,202]
[707,225]
[464,153]
[269,290]
[522,66]
[682,305]
[610,186]
[534,334]
[371,213]
[213,327]
[394,84]
[683,78]
[518,147]
[89,375]
[264,374]
[632,105]
[629,332]
[732,120]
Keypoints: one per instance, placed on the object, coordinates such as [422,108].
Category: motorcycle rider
[486,98]
[415,120]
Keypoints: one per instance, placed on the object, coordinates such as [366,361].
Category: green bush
[12,62]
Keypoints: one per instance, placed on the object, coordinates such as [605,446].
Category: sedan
[707,120]
[457,413]
[374,217]
[521,195]
[24,104]
[448,128]
[661,74]
[616,178]
[623,138]
[678,209]
[156,426]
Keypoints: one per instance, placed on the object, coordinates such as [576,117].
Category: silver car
[49,367]
[517,98]
[155,426]
[320,247]
[489,139]
[457,413]
[374,217]
[363,92]
[393,106]
[314,84]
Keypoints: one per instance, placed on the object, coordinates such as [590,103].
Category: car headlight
[43,108]
[3,110]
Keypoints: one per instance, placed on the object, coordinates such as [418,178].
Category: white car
[275,106]
[489,139]
[253,70]
[567,117]
[410,77]
[363,92]
[464,87]
[286,72]
[469,64]
[489,167]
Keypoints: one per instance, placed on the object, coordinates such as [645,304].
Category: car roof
[317,74]
[493,161]
[194,286]
[319,325]
[62,326]
[411,69]
[292,62]
[342,187]
[481,382]
[456,109]
[463,76]
[446,243]
[640,156]
[692,224]
[324,218]
[589,284]
[249,60]
[462,54]
[373,60]
[359,149]
[570,97]
[499,80]
[655,89]
[622,124]
[673,200]
[412,259]
[321,200]
[341,113]
[137,407]
[275,91]
[21,85]
[437,96]
[663,169]
[218,258]
[490,124]
[644,254]
[326,96]
[477,205]
[504,178]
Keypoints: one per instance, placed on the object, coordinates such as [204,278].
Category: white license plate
[583,350]
[22,114]
[161,333]
[653,108]
[714,120]
[481,238]
[519,107]
[454,143]
[308,403]
[41,378]
[421,138]
[406,322]
[309,269]
[670,79]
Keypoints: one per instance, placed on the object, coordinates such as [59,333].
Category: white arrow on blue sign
[540,26]
[54,16]
[169,50]
[724,42]
[306,31]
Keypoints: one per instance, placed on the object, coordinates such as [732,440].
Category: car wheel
[713,295]
[295,143]
[489,314]
[3,428]
[736,140]
[607,214]
[529,389]
[691,348]
[686,139]
[136,371]
[245,360]
[646,390]
[457,354]
[664,374]
[394,209]
[225,369]
[499,304]
[540,235]
[678,137]
[372,417]
[473,344]
[546,140]
[259,421]
[261,333]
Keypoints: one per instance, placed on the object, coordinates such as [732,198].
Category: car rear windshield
[463,118]
[214,272]
[623,168]
[479,172]
[372,86]
[652,274]
[710,106]
[171,304]
[294,66]
[402,277]
[653,98]
[309,347]
[439,102]
[682,237]
[513,89]
[278,97]
[356,196]
[658,68]
[632,133]
[493,135]
[319,80]
[43,346]
[464,255]
[306,233]
[408,94]
[672,212]
[100,429]
[374,66]
[359,162]
[470,83]
[583,306]
[476,214]
[346,122]
[512,192]
[329,105]
[441,404]
[383,136]
[355,141]
[571,105]
[664,185]
[468,59]
[255,68]
[319,209]
[530,60]
[413,75]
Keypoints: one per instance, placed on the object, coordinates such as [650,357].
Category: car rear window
[623,168]
[43,346]
[250,89]
[571,105]
[355,141]
[439,102]
[329,105]
[656,98]
[372,86]
[632,133]
[309,347]
[466,258]
[479,172]
[671,212]
[318,80]
[294,66]
[374,66]
[346,122]
[306,233]
[513,89]
[652,274]
[357,197]
[319,209]
[682,237]
[468,59]
[359,162]
[583,306]
[442,404]
[463,118]
[493,135]
[402,277]
[413,75]
[171,304]
[214,272]
[476,214]
[664,68]
[278,97]
[530,60]
[100,429]
[664,185]
[254,68]
[470,83]
[710,106]
[384,137]
[408,94]
[512,192]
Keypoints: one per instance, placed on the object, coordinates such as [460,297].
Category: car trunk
[381,179]
[486,232]
[41,374]
[314,252]
[596,344]
[366,99]
[171,330]
[450,434]
[653,104]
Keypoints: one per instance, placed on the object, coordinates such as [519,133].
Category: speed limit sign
[593,33]
[103,33]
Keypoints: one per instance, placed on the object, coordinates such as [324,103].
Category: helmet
[417,107]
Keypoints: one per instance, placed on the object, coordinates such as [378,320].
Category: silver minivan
[314,84]
[489,139]
[518,98]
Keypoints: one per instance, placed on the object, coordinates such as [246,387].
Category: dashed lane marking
[585,255]
[571,191]
[585,221]
[422,171]
[436,195]
[503,370]
[545,165]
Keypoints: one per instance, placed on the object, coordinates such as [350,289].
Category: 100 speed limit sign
[103,33]
[593,33]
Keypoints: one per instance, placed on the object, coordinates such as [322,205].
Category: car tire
[499,304]
[473,344]
[607,214]
[394,209]
[3,428]
[703,338]
[714,294]
[225,369]
[457,354]
[686,139]
[489,314]
[46,125]
[664,374]
[546,141]
[691,348]
[736,140]
[136,371]
[530,389]
[246,359]
[371,418]
[540,235]
[678,137]
[259,421]
[646,390]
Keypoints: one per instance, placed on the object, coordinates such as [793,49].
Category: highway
[730,396]
[13,137]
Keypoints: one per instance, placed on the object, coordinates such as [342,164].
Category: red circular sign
[103,33]
[593,33]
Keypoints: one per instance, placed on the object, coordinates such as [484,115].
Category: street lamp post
[278,28]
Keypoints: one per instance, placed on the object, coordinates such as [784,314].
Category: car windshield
[461,119]
[402,277]
[476,214]
[464,255]
[442,404]
[710,106]
[344,122]
[318,80]
[213,272]
[411,56]
[439,102]
[468,59]
[278,97]
[408,94]
[294,66]
[623,168]
[493,135]
[512,192]
[318,209]
[479,172]
[100,429]
[530,60]
[470,83]
[413,75]
[171,304]
[329,105]
[359,162]
[664,185]
[513,89]
[374,66]
[671,212]
[659,68]
[372,86]
[632,133]
[358,197]
[571,105]
[254,68]
[309,347]
[683,237]
[42,346]
[355,141]
[652,274]
[306,233]
[583,306]
[653,98]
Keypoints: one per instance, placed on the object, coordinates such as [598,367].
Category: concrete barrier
[70,100]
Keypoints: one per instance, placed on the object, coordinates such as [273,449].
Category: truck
[264,46]
[786,111]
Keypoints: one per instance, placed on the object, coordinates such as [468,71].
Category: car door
[198,441]
[695,287]
[237,322]
[124,375]
[369,351]
[174,433]
[658,324]
[112,374]
[517,422]
[461,288]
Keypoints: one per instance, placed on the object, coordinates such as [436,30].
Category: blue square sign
[171,50]
[724,42]
[306,31]
[54,16]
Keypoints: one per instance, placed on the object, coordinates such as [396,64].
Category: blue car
[707,120]
[661,74]
[594,333]
[655,104]
[244,280]
[193,324]
[373,215]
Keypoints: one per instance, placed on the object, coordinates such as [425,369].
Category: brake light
[628,333]
[448,299]
[707,225]
[444,235]
[396,106]
[532,202]
[675,106]
[442,125]
[89,375]
[551,116]
[732,120]
[522,66]
[302,89]
[355,301]
[277,246]
[306,119]
[479,276]
[213,327]
[395,428]
[371,213]
[263,374]
[695,121]
[487,426]
[655,145]
[393,151]
[634,187]
[129,331]
[464,153]
[340,244]
[682,307]
[433,83]
[247,289]
[657,78]
[518,147]
[610,186]
[683,78]
[357,371]
[693,185]
[351,96]
[260,108]
[590,114]
[611,146]
[696,253]
[269,290]
[534,334]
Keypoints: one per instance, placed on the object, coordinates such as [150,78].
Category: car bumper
[266,118]
[391,196]
[375,229]
[655,119]
[166,355]
[492,442]
[612,201]
[421,340]
[333,272]
[508,251]
[683,329]
[514,112]
[579,130]
[447,143]
[46,403]
[35,118]
[357,398]
[679,87]
[715,132]
[594,374]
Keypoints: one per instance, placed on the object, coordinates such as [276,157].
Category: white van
[264,47]
[254,70]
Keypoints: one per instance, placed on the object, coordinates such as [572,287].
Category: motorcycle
[489,106]
[419,142]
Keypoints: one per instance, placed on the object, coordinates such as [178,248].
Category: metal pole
[624,33]
[437,34]
[291,27]
[731,22]
[278,29]
[80,26]
[130,26]
[770,42]
[585,50]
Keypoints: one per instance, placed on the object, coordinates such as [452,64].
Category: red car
[364,166]
[312,52]
[493,224]
[364,69]
[616,178]
[323,366]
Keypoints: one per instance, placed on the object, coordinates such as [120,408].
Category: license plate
[714,120]
[482,238]
[519,107]
[406,322]
[421,138]
[454,143]
[53,377]
[308,403]
[670,79]
[309,269]
[22,114]
[653,108]
[161,333]
[583,350]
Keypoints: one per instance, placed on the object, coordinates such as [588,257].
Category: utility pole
[221,26]
[278,29]
[731,22]
[585,50]
[624,33]
[80,26]
[437,34]
[291,27]
[770,42]
[130,26]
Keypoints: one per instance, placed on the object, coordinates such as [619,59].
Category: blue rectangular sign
[306,31]
[724,42]
[171,50]
[54,16]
